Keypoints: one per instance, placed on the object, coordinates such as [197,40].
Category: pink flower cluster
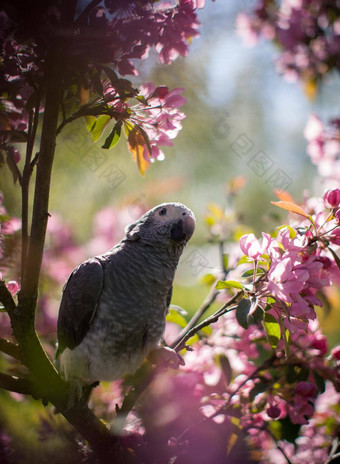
[156,114]
[307,33]
[160,118]
[298,266]
[324,148]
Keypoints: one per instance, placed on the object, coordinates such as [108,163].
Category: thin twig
[26,176]
[333,454]
[211,297]
[10,348]
[209,320]
[208,301]
[279,447]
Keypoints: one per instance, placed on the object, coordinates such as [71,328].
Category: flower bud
[331,198]
[337,216]
[273,412]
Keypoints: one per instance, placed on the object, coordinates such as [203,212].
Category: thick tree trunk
[52,387]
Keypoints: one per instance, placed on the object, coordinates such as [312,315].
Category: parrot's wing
[79,303]
[168,298]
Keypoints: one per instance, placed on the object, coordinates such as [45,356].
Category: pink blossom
[337,216]
[334,236]
[331,198]
[252,247]
[13,287]
[301,406]
[335,353]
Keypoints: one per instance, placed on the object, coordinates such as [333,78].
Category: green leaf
[289,430]
[99,126]
[224,363]
[245,259]
[250,272]
[175,317]
[242,312]
[320,382]
[114,136]
[207,331]
[90,122]
[257,316]
[272,328]
[226,261]
[111,75]
[335,256]
[142,99]
[96,81]
[208,279]
[222,284]
[259,387]
[297,373]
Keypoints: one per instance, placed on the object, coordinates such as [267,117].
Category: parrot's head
[168,223]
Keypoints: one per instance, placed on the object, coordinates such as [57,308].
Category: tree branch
[179,344]
[210,298]
[6,298]
[46,381]
[15,384]
[26,176]
[10,349]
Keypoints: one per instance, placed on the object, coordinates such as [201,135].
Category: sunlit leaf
[99,126]
[137,145]
[225,260]
[242,312]
[90,123]
[207,331]
[311,88]
[292,207]
[142,99]
[192,340]
[208,279]
[272,328]
[114,136]
[83,94]
[250,272]
[222,284]
[175,317]
[283,195]
[231,442]
[292,231]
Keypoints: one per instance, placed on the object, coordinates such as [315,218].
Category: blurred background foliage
[226,85]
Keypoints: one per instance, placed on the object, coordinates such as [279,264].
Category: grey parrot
[113,309]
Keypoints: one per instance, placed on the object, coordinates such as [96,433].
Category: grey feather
[79,303]
[114,306]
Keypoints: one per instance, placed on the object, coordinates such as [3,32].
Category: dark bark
[44,381]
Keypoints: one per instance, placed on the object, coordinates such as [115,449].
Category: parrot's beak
[183,229]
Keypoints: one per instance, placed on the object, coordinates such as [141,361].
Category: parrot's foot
[79,393]
[166,357]
[75,393]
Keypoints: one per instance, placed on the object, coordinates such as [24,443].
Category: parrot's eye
[162,212]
